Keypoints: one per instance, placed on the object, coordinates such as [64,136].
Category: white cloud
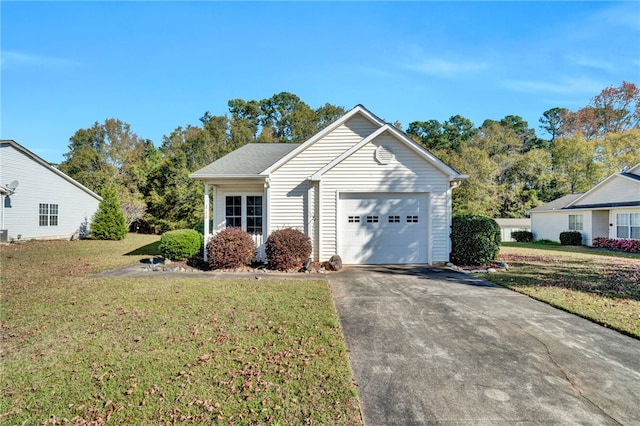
[565,86]
[588,62]
[447,68]
[13,58]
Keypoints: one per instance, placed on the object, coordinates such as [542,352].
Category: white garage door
[382,228]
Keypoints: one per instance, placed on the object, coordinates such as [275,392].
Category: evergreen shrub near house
[475,240]
[109,222]
[287,249]
[571,238]
[230,248]
[522,236]
[180,244]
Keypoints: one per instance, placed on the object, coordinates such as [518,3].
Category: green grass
[77,348]
[600,285]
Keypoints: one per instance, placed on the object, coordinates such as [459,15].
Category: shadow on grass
[147,250]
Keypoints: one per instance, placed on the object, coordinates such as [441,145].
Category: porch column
[266,216]
[206,219]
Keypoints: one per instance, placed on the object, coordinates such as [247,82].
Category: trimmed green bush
[180,244]
[287,249]
[475,240]
[231,248]
[571,238]
[522,236]
[109,222]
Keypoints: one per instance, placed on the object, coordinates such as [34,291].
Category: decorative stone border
[498,266]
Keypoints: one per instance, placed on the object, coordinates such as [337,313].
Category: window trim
[48,214]
[576,222]
[244,209]
[628,226]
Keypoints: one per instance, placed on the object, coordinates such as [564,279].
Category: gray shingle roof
[558,204]
[249,160]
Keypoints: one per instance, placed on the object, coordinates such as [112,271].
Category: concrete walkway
[432,346]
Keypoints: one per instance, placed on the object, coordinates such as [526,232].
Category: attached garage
[382,228]
[359,188]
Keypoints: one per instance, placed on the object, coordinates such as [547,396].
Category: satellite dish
[13,185]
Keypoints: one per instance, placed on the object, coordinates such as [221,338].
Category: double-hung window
[628,226]
[244,211]
[575,222]
[48,214]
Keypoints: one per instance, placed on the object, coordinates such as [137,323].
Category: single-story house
[611,209]
[38,200]
[360,188]
[509,225]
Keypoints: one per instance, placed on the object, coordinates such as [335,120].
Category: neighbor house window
[412,219]
[575,222]
[372,219]
[354,219]
[244,211]
[394,219]
[628,226]
[48,214]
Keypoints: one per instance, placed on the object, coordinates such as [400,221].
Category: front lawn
[161,350]
[600,285]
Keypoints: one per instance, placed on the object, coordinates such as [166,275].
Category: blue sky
[160,65]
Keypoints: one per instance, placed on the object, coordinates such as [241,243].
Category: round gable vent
[383,155]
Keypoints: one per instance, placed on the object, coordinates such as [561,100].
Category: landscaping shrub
[522,236]
[231,248]
[571,238]
[287,249]
[180,244]
[630,246]
[109,222]
[475,240]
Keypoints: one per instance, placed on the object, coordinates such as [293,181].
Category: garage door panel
[382,228]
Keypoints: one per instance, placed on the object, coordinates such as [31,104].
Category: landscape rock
[334,263]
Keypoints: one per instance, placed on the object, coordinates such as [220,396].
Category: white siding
[548,226]
[618,189]
[39,184]
[407,173]
[292,194]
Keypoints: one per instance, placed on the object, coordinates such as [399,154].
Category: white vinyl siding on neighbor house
[616,189]
[360,173]
[293,195]
[549,225]
[73,206]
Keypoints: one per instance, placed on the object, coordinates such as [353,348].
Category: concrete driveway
[431,346]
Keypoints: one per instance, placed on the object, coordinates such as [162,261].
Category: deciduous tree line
[511,169]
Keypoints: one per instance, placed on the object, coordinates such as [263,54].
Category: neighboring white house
[360,188]
[610,209]
[509,225]
[38,200]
